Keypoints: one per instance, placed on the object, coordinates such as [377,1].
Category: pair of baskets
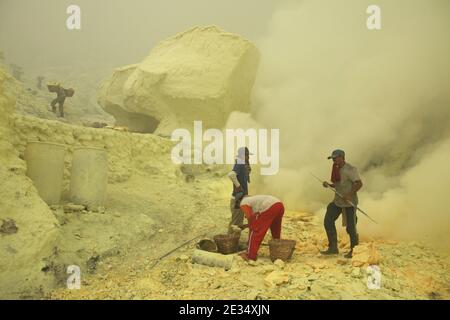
[229,243]
[54,87]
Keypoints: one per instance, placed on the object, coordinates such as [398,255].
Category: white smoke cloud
[383,96]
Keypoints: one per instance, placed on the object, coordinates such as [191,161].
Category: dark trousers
[333,212]
[61,106]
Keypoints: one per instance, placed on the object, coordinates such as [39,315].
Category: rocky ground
[154,206]
[408,271]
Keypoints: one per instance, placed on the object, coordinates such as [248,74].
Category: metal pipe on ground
[212,259]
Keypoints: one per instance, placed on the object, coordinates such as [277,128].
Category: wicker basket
[207,245]
[53,87]
[227,243]
[70,92]
[281,249]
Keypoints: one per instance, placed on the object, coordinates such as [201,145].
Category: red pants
[270,218]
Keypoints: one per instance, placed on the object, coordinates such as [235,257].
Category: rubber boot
[332,244]
[349,254]
[354,241]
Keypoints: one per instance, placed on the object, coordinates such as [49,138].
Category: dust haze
[383,96]
[114,32]
[325,80]
[143,68]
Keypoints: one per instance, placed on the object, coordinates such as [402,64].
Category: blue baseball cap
[337,153]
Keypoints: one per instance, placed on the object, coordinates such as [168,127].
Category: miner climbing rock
[345,179]
[61,94]
[262,212]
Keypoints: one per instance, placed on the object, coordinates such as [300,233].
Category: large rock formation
[201,74]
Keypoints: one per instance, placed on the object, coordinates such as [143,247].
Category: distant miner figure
[262,212]
[240,176]
[61,95]
[39,82]
[346,181]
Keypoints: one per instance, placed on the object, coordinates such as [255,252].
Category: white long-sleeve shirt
[233,177]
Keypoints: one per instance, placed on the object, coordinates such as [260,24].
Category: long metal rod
[173,250]
[350,202]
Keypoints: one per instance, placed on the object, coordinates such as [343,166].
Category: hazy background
[383,96]
[115,32]
[324,80]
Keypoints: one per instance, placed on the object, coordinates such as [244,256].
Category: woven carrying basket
[281,249]
[53,87]
[227,243]
[207,245]
[70,92]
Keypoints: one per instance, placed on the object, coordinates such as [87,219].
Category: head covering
[241,153]
[337,153]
